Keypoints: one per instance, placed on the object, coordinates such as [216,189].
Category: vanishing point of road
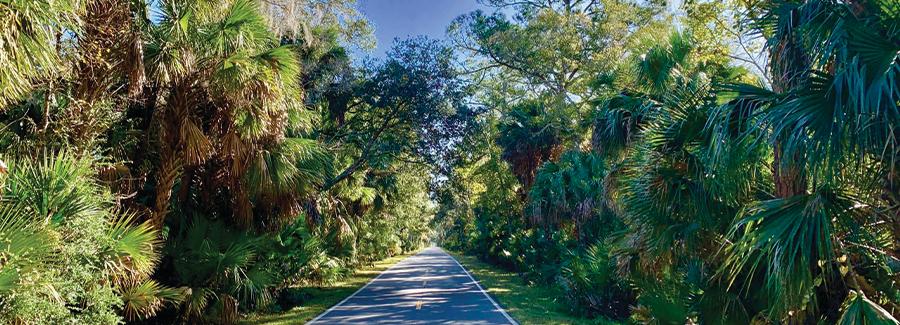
[428,288]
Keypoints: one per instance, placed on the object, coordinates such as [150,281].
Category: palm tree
[107,68]
[30,36]
[227,90]
[674,183]
[568,190]
[789,66]
[58,222]
[530,135]
[833,112]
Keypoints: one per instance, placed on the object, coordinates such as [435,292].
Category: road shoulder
[527,304]
[323,298]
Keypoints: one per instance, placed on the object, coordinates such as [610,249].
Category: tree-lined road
[428,288]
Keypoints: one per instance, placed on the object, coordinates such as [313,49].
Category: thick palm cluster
[193,161]
[189,161]
[710,195]
[226,91]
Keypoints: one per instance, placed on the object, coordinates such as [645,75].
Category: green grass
[323,298]
[527,304]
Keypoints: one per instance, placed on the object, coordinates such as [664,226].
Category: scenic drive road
[428,288]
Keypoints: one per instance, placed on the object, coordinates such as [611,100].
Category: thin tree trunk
[169,148]
[790,66]
[168,172]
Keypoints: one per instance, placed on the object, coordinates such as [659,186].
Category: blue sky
[405,18]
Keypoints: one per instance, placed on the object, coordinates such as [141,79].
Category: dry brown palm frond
[233,147]
[197,147]
[243,207]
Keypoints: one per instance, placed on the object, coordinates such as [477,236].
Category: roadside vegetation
[731,162]
[527,304]
[195,161]
[301,304]
[694,162]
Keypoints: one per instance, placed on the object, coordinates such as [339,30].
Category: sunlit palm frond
[859,310]
[170,53]
[134,250]
[57,187]
[145,299]
[25,246]
[240,27]
[295,166]
[665,62]
[28,43]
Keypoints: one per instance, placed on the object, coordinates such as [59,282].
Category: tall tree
[411,106]
[546,62]
[225,89]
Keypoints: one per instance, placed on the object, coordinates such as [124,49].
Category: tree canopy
[689,162]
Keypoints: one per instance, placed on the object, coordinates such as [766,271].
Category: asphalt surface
[428,288]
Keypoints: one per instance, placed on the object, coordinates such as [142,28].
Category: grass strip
[526,304]
[324,297]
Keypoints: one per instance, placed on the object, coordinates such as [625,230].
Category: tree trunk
[789,66]
[107,33]
[166,175]
[789,176]
[170,147]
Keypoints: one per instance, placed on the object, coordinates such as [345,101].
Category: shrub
[68,253]
[591,286]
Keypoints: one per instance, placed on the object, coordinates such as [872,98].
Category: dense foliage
[187,161]
[673,175]
[190,161]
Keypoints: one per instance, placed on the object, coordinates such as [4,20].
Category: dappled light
[429,288]
[531,162]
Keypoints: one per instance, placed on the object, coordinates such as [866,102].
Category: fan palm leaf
[216,261]
[791,242]
[25,246]
[145,299]
[859,310]
[54,188]
[134,251]
[29,35]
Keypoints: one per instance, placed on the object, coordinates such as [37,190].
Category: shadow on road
[428,288]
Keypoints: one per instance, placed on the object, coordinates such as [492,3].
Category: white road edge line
[510,319]
[357,291]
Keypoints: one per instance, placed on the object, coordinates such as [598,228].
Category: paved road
[428,288]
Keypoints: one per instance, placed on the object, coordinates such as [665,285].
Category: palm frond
[134,250]
[790,242]
[145,299]
[240,27]
[57,187]
[25,246]
[28,43]
[859,310]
